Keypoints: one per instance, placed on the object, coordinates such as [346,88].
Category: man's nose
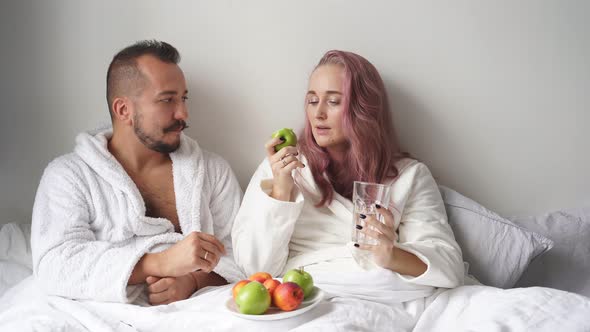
[181,112]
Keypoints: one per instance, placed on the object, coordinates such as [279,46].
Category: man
[140,203]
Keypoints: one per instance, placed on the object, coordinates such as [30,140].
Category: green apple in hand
[301,278]
[253,299]
[288,135]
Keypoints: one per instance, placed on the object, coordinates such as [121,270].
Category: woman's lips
[322,130]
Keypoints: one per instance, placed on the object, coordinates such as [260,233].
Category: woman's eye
[333,102]
[312,102]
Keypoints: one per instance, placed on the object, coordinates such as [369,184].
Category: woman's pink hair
[374,149]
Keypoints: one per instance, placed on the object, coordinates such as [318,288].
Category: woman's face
[324,107]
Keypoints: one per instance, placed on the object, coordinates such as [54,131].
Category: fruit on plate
[237,287]
[289,137]
[271,285]
[253,299]
[301,278]
[288,296]
[261,277]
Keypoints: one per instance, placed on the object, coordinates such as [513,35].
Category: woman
[297,210]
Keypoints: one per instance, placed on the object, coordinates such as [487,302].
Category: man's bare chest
[158,196]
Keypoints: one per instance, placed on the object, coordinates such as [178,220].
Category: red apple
[271,285]
[261,277]
[237,287]
[301,278]
[288,296]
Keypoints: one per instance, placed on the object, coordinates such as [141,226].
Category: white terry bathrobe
[89,227]
[275,236]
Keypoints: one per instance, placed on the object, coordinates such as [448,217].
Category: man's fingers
[206,265]
[160,286]
[159,298]
[214,241]
[150,280]
[210,253]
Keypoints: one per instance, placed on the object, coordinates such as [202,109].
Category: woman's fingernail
[378,206]
[362,216]
[356,245]
[282,139]
[359,227]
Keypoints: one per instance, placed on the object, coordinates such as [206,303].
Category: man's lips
[176,127]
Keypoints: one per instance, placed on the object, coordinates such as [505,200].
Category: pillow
[567,265]
[497,250]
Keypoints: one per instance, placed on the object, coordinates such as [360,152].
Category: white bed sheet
[24,307]
[15,254]
[467,308]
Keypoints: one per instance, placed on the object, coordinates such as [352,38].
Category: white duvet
[467,308]
[350,305]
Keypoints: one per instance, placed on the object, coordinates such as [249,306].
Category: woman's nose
[320,112]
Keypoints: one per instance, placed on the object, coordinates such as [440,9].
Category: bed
[535,270]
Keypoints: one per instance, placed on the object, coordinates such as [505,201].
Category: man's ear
[122,110]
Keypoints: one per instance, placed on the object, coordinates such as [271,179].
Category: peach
[288,296]
[261,277]
[271,285]
[237,287]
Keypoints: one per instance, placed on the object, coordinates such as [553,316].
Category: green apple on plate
[253,299]
[289,137]
[301,278]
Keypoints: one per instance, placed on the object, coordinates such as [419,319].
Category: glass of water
[365,196]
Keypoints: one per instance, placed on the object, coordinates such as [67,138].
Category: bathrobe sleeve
[263,227]
[68,260]
[425,232]
[224,205]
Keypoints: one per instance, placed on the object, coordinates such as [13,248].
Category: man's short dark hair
[124,76]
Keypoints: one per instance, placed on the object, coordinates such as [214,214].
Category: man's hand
[197,251]
[170,289]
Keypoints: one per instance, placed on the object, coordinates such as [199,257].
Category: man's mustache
[179,124]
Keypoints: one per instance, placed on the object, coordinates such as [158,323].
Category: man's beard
[150,142]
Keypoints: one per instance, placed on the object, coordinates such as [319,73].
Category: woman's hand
[385,253]
[384,233]
[282,164]
[170,289]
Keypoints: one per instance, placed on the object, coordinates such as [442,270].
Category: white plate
[274,313]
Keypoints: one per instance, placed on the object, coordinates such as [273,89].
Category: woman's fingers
[387,215]
[365,246]
[270,146]
[372,224]
[375,235]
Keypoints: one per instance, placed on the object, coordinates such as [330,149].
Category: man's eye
[184,99]
[167,100]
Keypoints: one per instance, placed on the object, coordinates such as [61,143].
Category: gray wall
[492,95]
